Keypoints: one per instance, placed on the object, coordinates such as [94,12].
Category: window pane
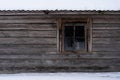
[79,31]
[68,38]
[79,37]
[68,44]
[69,31]
[74,37]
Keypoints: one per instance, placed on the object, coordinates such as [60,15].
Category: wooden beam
[89,23]
[58,34]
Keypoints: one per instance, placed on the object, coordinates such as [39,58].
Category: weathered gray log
[106,26]
[106,20]
[100,33]
[111,41]
[29,21]
[27,40]
[6,34]
[106,47]
[26,27]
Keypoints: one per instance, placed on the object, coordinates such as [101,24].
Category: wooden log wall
[29,35]
[29,43]
[106,41]
[23,39]
[106,36]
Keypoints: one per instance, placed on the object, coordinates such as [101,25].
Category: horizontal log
[24,17]
[33,34]
[52,57]
[107,53]
[27,50]
[106,26]
[55,55]
[56,63]
[27,40]
[106,20]
[106,33]
[27,46]
[25,27]
[106,48]
[20,49]
[112,41]
[29,21]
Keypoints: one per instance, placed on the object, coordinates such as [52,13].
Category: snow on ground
[62,76]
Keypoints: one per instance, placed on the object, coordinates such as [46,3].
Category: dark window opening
[74,37]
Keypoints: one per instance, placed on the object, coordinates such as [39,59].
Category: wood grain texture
[106,48]
[18,34]
[27,40]
[107,53]
[27,49]
[29,21]
[106,41]
[27,27]
[106,26]
[15,17]
[56,62]
[100,33]
[27,46]
[106,20]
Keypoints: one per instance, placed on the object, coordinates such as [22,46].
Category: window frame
[86,37]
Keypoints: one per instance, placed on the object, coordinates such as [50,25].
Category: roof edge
[55,12]
[58,10]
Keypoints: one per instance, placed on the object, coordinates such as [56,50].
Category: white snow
[62,76]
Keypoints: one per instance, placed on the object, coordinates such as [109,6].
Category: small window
[74,37]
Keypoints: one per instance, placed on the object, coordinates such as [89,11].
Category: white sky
[60,4]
